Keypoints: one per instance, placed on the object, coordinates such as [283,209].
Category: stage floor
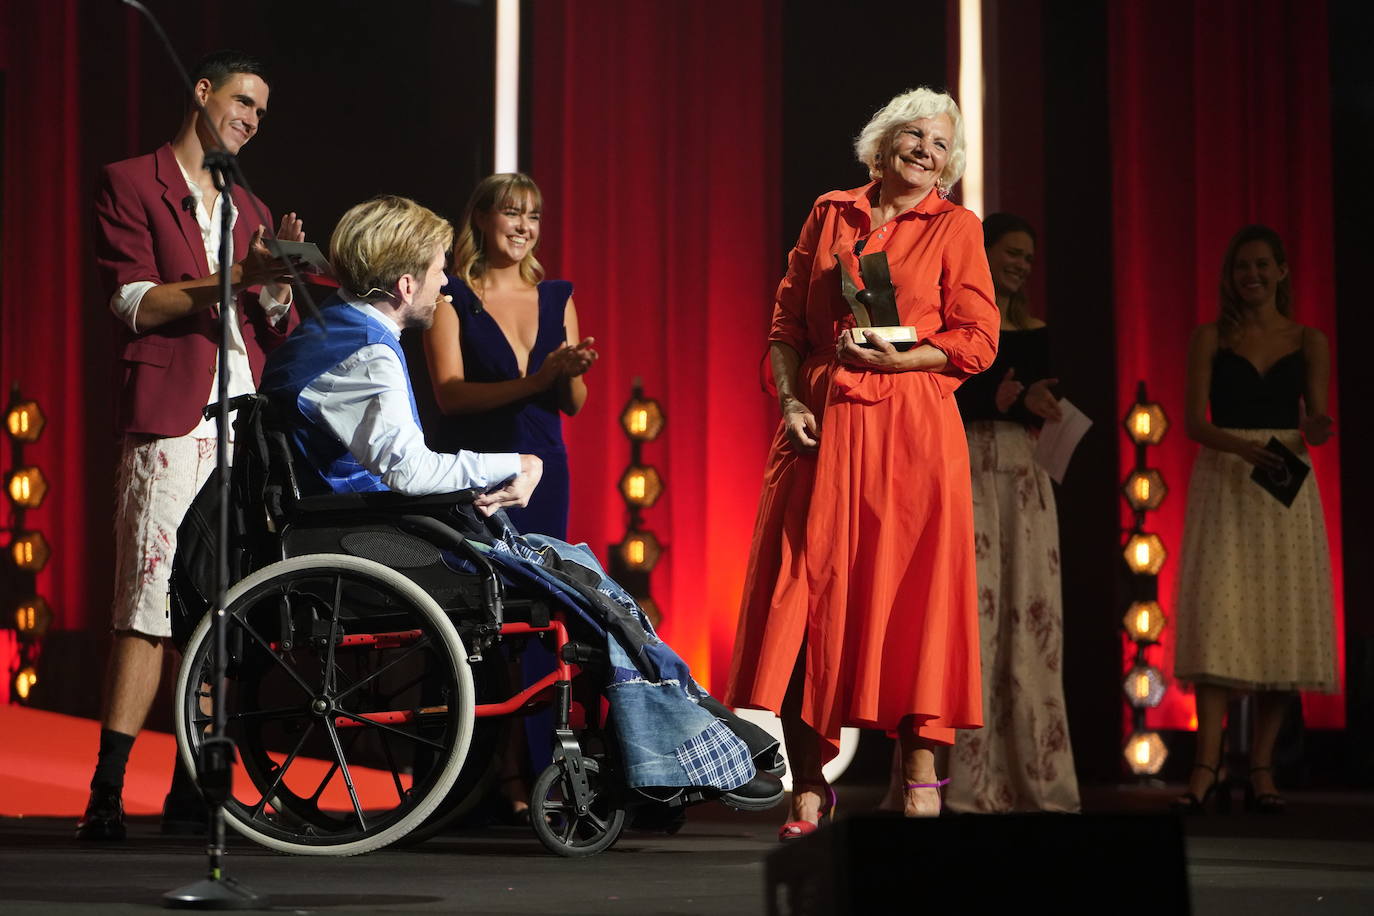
[1319,858]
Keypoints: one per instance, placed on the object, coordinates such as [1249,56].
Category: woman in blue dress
[506,362]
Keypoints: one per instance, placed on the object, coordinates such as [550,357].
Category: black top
[1028,352]
[1243,399]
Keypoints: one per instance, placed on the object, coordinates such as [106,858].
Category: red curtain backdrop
[1220,117]
[43,309]
[653,137]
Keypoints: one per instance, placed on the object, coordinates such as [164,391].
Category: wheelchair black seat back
[276,511]
[352,646]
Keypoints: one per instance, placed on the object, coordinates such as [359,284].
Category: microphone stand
[215,768]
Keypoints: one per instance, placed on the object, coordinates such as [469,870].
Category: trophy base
[901,338]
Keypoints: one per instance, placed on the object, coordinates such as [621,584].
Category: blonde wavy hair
[379,241]
[874,141]
[491,194]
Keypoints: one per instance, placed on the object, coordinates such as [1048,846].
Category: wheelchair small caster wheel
[561,827]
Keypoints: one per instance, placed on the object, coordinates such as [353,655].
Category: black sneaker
[758,794]
[103,821]
[184,814]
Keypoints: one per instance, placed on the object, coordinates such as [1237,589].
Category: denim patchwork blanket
[666,738]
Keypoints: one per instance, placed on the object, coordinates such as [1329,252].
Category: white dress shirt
[126,300]
[365,402]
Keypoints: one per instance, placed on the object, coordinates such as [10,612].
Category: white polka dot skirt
[1254,608]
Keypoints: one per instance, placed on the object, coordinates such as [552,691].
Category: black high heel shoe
[1188,803]
[1263,802]
[515,791]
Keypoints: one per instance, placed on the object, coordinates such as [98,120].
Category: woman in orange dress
[860,605]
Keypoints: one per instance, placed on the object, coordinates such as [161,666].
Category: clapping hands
[1039,399]
[567,361]
[260,266]
[1042,402]
[1008,390]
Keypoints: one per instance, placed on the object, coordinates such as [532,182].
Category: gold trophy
[875,306]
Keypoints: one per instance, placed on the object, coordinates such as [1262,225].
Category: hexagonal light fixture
[1144,621]
[642,418]
[651,610]
[30,551]
[1145,554]
[1146,424]
[25,421]
[1145,490]
[640,550]
[641,486]
[32,618]
[1144,686]
[27,487]
[24,682]
[1145,753]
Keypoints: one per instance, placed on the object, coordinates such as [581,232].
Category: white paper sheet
[1059,438]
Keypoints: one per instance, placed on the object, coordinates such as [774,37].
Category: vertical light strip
[507,147]
[971,100]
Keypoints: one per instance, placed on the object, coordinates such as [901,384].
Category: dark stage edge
[1318,858]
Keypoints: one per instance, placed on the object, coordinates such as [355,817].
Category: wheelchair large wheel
[349,698]
[479,776]
[561,827]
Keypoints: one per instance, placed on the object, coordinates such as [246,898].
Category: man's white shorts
[155,482]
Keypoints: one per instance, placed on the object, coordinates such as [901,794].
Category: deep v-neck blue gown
[532,426]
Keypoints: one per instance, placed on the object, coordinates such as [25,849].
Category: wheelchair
[366,679]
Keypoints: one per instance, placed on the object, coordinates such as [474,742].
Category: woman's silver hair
[873,142]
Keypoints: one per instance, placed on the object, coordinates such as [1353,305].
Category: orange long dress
[863,552]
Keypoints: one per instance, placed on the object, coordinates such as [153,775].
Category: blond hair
[873,142]
[491,194]
[383,239]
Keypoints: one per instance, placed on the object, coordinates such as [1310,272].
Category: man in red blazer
[157,249]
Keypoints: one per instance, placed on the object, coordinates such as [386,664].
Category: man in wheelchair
[341,394]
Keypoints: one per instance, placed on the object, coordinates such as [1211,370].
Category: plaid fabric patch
[516,546]
[716,757]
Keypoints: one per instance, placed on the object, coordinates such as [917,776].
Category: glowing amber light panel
[640,550]
[1145,554]
[27,488]
[25,421]
[1145,753]
[641,486]
[24,682]
[30,552]
[1145,490]
[1146,424]
[1144,621]
[32,617]
[642,419]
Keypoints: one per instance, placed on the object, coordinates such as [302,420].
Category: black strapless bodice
[1241,398]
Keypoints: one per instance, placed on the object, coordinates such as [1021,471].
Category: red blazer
[144,233]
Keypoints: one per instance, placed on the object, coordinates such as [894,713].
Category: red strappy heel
[795,830]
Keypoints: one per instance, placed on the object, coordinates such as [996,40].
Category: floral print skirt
[1021,760]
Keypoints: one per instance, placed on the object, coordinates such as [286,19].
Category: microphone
[188,203]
